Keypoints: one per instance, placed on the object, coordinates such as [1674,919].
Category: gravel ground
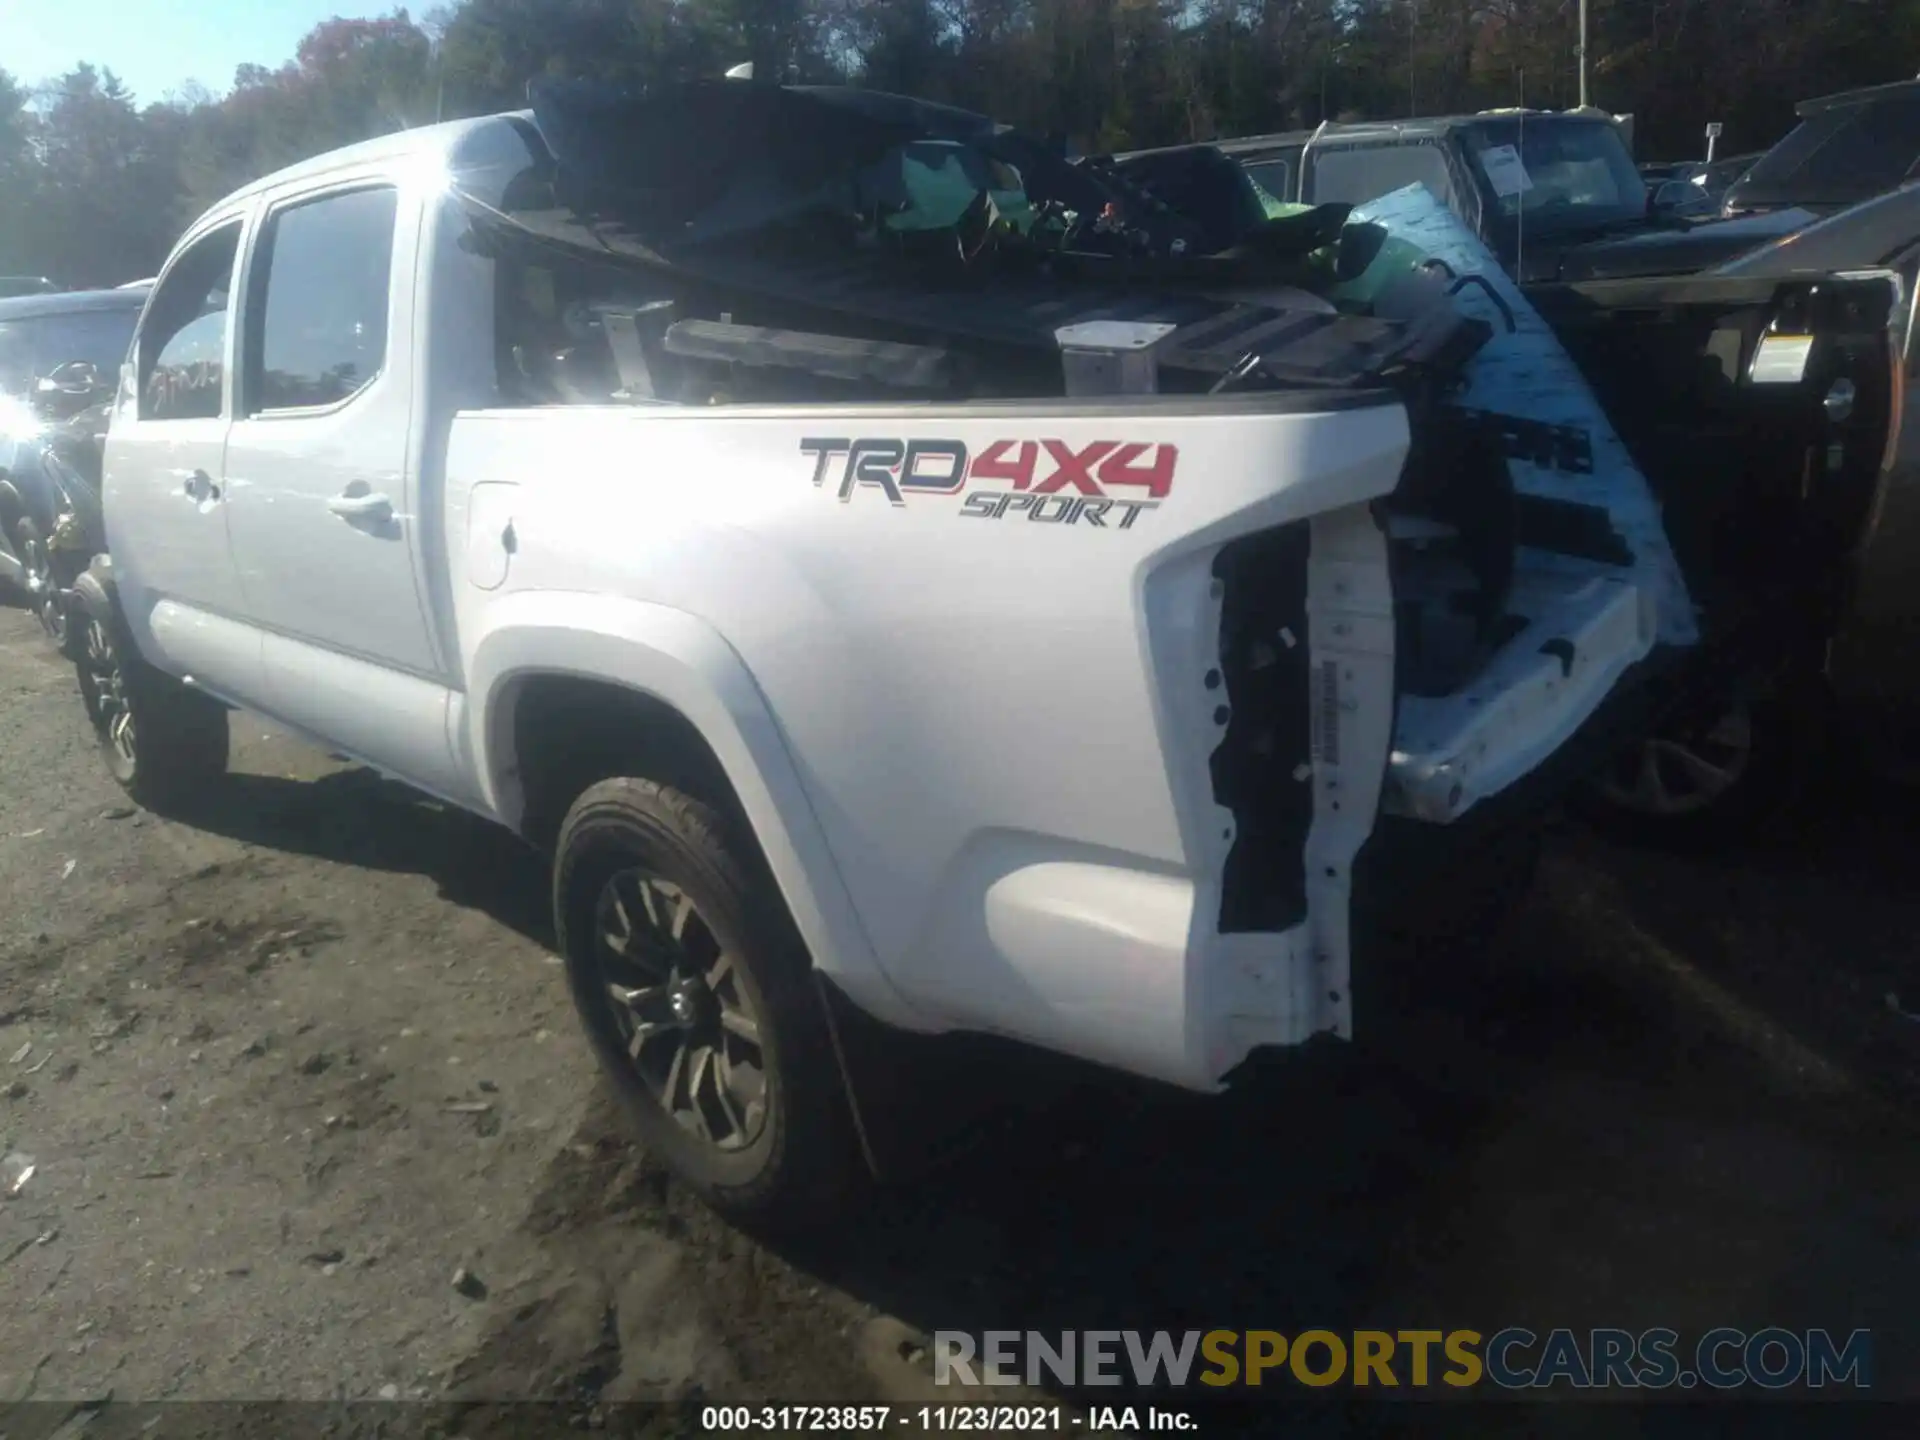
[285,1071]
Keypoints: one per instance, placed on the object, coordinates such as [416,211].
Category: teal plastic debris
[1524,372]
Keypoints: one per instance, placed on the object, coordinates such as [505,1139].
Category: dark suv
[1846,148]
[1554,194]
[60,355]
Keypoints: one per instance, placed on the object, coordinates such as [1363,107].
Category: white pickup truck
[985,709]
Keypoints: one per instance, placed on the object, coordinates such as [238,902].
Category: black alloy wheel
[690,1028]
[699,998]
[106,693]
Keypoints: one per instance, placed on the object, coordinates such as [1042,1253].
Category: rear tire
[1714,785]
[697,994]
[163,741]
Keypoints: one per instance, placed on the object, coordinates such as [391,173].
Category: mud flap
[920,1101]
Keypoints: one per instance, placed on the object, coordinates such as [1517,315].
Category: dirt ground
[286,1070]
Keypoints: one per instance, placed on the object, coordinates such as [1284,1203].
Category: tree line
[94,187]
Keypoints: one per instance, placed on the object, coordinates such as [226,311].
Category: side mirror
[1673,197]
[76,377]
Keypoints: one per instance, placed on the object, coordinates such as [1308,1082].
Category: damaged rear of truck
[1221,537]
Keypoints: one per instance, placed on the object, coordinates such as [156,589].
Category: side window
[1274,176]
[1886,145]
[1354,177]
[317,332]
[183,341]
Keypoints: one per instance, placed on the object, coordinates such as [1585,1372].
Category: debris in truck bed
[826,211]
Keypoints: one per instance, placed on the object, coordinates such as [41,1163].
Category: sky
[156,46]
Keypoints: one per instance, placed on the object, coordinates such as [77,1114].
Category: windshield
[1559,174]
[31,346]
[1840,155]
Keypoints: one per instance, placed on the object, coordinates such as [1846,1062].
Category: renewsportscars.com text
[1511,1359]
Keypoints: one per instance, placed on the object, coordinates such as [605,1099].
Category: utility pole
[1583,54]
[1413,72]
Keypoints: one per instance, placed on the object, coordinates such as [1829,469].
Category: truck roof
[73,302]
[446,138]
[443,140]
[1242,146]
[1420,127]
[1285,139]
[1861,96]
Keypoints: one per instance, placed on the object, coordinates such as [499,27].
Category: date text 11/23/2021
[968,1419]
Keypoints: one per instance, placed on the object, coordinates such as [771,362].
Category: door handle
[199,486]
[361,507]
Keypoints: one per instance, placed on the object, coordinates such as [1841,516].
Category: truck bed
[1065,681]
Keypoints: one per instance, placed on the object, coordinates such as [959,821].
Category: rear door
[164,474]
[326,523]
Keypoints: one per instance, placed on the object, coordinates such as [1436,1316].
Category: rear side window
[1886,142]
[183,341]
[1353,177]
[1849,151]
[1273,176]
[318,333]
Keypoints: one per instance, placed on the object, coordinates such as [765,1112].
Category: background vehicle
[59,355]
[1555,195]
[1694,189]
[1767,487]
[632,523]
[1846,149]
[1844,565]
[71,459]
[11,285]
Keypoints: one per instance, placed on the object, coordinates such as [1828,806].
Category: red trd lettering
[1075,470]
[1120,469]
[992,463]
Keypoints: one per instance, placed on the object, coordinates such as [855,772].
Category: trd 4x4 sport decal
[1104,483]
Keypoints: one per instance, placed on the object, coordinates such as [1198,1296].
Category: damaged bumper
[1450,754]
[1594,585]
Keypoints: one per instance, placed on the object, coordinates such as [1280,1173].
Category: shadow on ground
[354,817]
[1814,921]
[1559,1150]
[1557,1134]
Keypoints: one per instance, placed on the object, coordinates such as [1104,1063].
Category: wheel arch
[647,682]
